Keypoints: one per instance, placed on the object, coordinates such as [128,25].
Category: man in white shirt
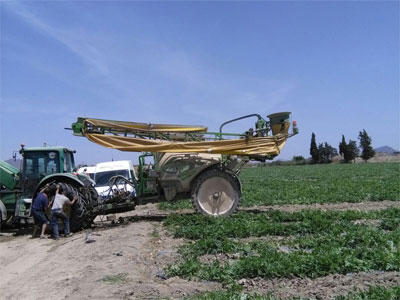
[60,199]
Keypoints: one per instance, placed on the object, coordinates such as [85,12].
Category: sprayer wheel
[216,193]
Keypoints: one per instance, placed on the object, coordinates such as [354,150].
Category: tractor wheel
[79,217]
[216,193]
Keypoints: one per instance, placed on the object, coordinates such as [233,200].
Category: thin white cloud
[128,76]
[78,45]
[263,97]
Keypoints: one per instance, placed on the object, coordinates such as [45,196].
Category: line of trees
[323,153]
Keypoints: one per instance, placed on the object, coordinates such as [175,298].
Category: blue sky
[334,65]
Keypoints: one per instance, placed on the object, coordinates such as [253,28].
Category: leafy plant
[317,243]
[115,279]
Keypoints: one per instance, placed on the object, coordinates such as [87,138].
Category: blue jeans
[55,215]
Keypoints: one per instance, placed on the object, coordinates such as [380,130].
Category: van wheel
[216,193]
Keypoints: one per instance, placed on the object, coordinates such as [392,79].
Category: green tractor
[41,166]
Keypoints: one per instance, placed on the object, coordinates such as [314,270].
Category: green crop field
[311,244]
[373,293]
[303,244]
[330,183]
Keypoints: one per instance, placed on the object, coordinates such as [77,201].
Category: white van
[89,171]
[105,170]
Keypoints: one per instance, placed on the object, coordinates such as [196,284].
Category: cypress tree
[342,146]
[367,151]
[350,151]
[314,149]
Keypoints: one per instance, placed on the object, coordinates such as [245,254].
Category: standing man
[60,199]
[39,206]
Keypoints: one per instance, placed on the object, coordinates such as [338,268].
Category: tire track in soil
[151,212]
[361,206]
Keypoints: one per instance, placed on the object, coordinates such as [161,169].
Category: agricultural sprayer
[187,162]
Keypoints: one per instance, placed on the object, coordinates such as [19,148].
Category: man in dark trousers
[39,206]
[61,199]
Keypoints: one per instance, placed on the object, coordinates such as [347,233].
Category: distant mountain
[14,163]
[385,149]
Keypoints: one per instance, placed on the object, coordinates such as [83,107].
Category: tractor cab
[37,164]
[40,162]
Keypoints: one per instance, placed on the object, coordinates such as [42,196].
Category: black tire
[216,193]
[79,213]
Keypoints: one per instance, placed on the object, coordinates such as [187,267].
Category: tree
[350,151]
[326,152]
[299,160]
[342,146]
[367,151]
[314,150]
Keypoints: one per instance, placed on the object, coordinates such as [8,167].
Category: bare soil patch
[151,211]
[362,206]
[327,287]
[70,268]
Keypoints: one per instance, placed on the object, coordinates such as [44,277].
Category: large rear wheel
[216,193]
[79,213]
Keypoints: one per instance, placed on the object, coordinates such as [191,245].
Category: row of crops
[308,243]
[333,183]
[303,244]
[373,293]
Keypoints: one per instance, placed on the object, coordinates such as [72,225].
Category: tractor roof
[48,148]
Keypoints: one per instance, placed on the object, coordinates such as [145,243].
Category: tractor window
[51,167]
[40,163]
[68,166]
[28,168]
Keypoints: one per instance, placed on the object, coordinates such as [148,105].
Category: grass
[115,279]
[330,183]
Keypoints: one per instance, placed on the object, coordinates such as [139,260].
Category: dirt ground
[362,206]
[127,261]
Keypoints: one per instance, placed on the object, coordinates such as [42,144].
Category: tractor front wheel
[216,193]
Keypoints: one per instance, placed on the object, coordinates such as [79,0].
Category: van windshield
[103,178]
